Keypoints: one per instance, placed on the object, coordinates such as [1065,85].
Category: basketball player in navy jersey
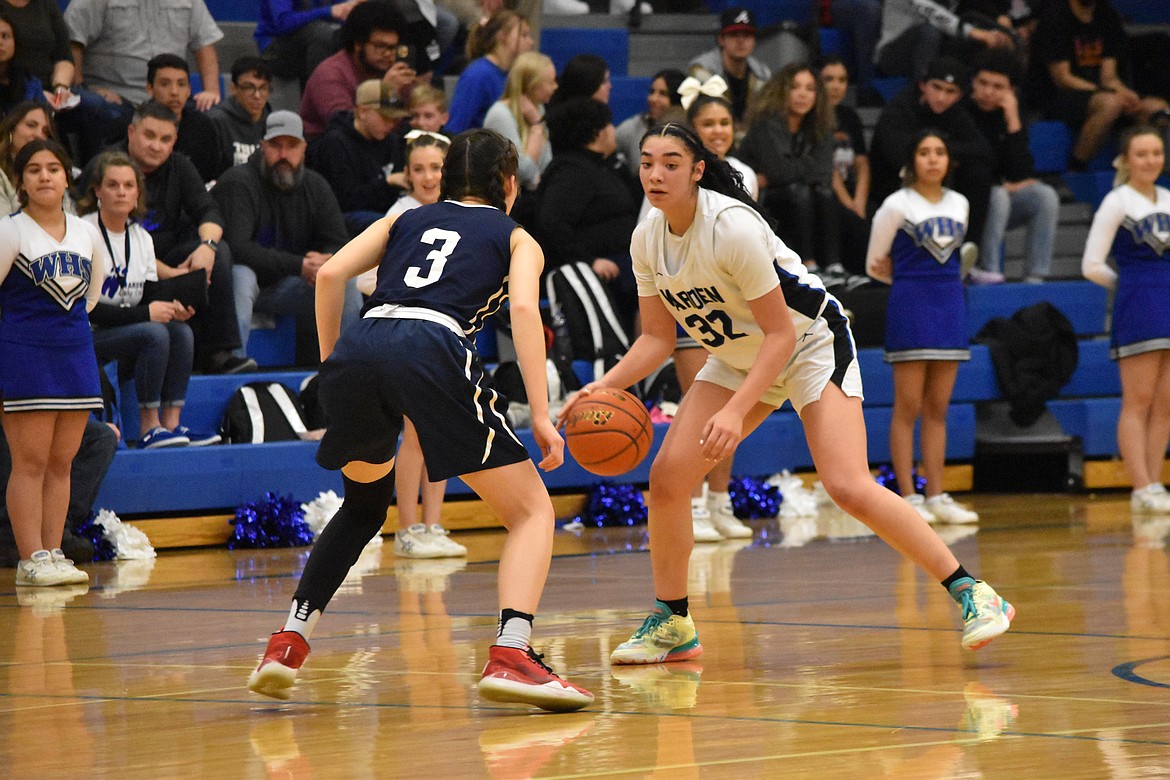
[442,270]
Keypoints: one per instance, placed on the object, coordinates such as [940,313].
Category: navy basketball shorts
[384,369]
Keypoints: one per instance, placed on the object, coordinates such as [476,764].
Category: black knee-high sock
[361,515]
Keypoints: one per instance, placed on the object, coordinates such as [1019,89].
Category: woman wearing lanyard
[151,341]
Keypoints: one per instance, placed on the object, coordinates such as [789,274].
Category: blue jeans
[158,355]
[1038,207]
[289,295]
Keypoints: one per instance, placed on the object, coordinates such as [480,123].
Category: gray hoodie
[238,134]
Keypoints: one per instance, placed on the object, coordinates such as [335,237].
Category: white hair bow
[414,135]
[691,88]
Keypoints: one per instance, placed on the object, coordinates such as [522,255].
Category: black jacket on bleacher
[1013,157]
[587,209]
[356,166]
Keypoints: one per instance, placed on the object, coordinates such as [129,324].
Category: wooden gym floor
[825,658]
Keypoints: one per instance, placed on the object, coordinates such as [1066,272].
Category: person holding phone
[151,340]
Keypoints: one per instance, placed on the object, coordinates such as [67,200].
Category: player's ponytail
[718,175]
[478,165]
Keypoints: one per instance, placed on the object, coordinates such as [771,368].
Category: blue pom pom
[611,505]
[886,478]
[276,521]
[752,497]
[103,548]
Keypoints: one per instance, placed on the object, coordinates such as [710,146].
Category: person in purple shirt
[296,35]
[370,41]
[493,47]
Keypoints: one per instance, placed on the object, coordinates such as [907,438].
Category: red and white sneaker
[277,671]
[514,675]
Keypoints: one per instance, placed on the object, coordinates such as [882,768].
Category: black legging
[361,515]
[806,215]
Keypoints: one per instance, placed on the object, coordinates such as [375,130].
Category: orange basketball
[609,432]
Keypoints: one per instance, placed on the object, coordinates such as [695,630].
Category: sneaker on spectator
[946,510]
[703,529]
[834,275]
[159,437]
[277,672]
[980,277]
[76,576]
[724,521]
[917,501]
[442,537]
[968,256]
[39,571]
[514,675]
[1033,279]
[199,438]
[1152,499]
[227,363]
[418,542]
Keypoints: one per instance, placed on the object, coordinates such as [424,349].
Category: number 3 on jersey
[437,257]
[710,337]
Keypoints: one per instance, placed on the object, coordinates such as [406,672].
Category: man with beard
[283,223]
[369,50]
[1075,75]
[187,229]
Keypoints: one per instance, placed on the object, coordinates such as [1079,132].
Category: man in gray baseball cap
[284,221]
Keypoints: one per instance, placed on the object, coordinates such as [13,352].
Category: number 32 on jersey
[707,326]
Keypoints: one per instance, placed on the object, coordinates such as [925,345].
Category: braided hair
[718,175]
[478,165]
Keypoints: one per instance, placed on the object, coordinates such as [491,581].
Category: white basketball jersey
[727,257]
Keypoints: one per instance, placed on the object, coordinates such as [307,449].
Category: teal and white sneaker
[985,614]
[663,637]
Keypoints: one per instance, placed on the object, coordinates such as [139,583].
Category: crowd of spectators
[257,199]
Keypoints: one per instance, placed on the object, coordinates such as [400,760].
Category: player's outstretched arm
[359,255]
[528,337]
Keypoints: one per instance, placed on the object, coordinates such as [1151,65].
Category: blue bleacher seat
[833,42]
[274,346]
[197,83]
[1096,373]
[628,96]
[889,87]
[1082,302]
[561,44]
[234,10]
[1050,144]
[1089,186]
[1143,11]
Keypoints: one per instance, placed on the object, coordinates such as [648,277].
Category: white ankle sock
[302,619]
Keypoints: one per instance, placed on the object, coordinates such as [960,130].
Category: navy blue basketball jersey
[448,257]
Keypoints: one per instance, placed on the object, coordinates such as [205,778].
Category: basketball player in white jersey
[707,259]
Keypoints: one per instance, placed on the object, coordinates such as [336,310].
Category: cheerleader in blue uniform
[48,372]
[1133,225]
[915,246]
